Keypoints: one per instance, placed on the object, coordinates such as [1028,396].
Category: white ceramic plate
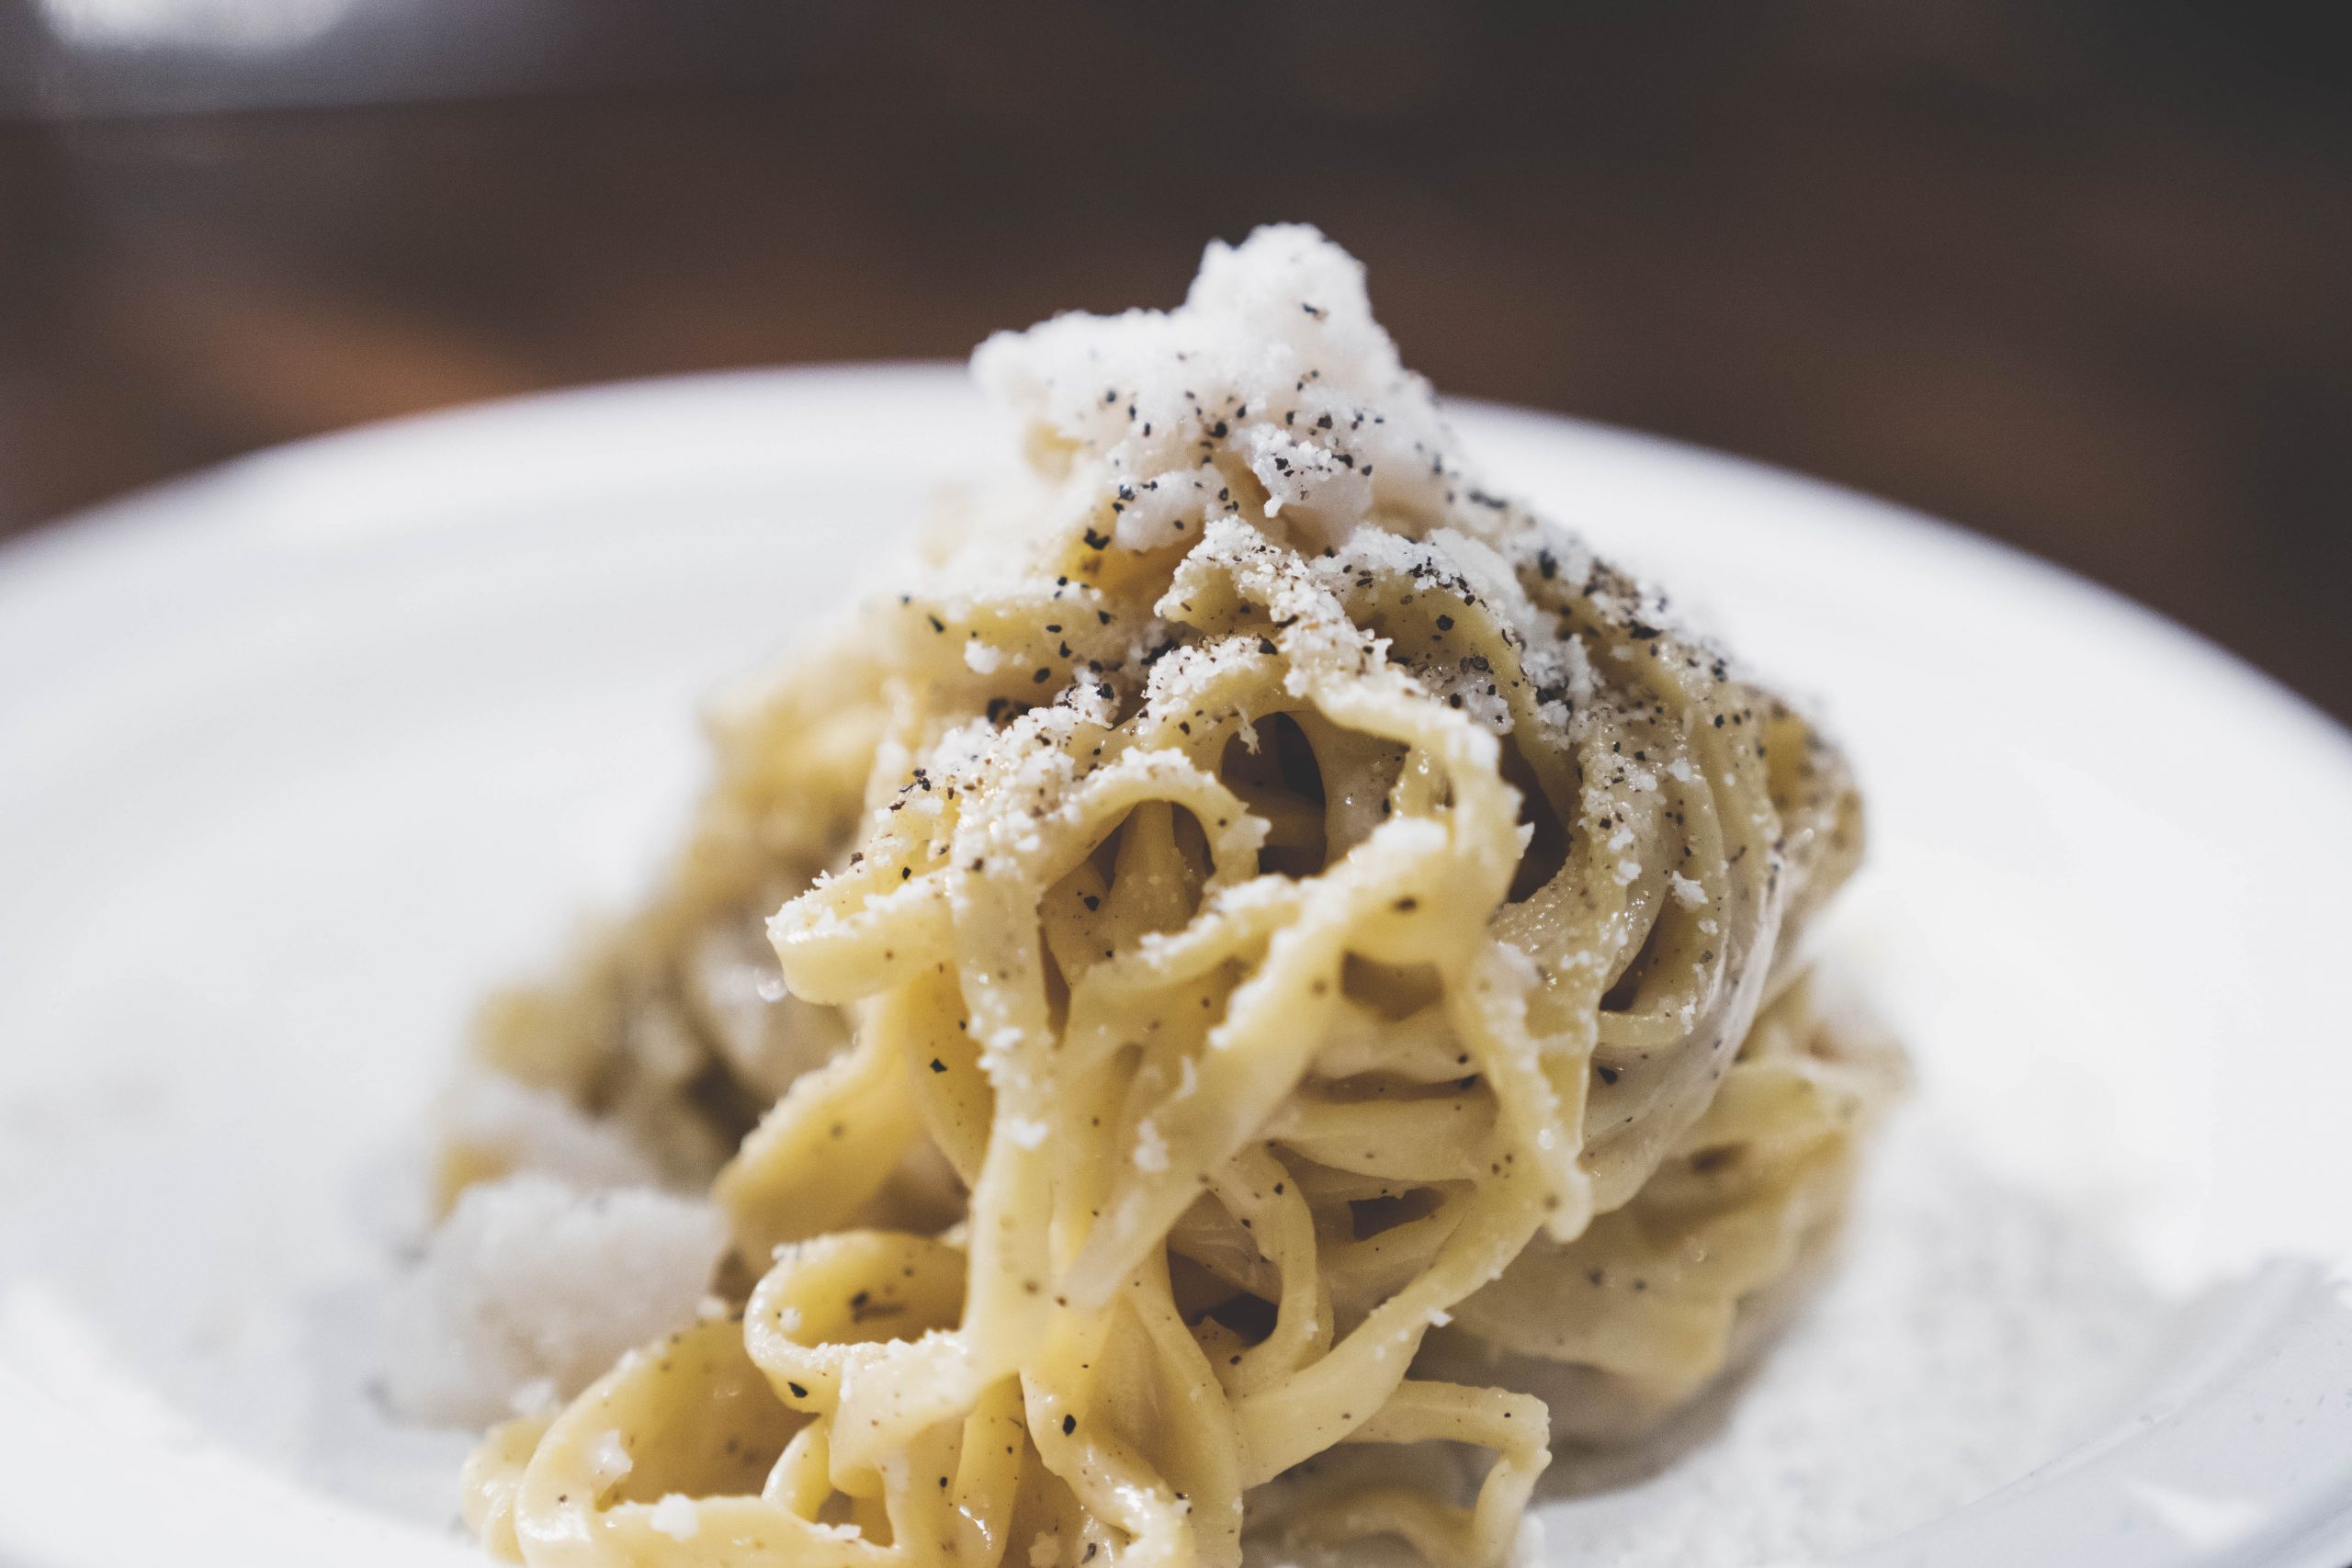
[298,756]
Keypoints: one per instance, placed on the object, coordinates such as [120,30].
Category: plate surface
[298,757]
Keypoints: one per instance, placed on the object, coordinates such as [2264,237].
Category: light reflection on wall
[227,26]
[71,59]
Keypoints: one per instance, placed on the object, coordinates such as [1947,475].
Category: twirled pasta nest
[1269,985]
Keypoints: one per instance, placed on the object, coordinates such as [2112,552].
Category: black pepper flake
[936,623]
[1547,564]
[1095,541]
[1090,901]
[797,1392]
[1069,1425]
[1265,645]
[1445,623]
[1641,632]
[937,1065]
[1042,676]
[1608,1074]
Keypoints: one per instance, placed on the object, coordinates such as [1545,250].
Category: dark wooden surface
[2074,275]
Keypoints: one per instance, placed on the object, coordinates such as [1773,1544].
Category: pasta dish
[1259,993]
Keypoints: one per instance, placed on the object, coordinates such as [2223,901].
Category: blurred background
[2077,275]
